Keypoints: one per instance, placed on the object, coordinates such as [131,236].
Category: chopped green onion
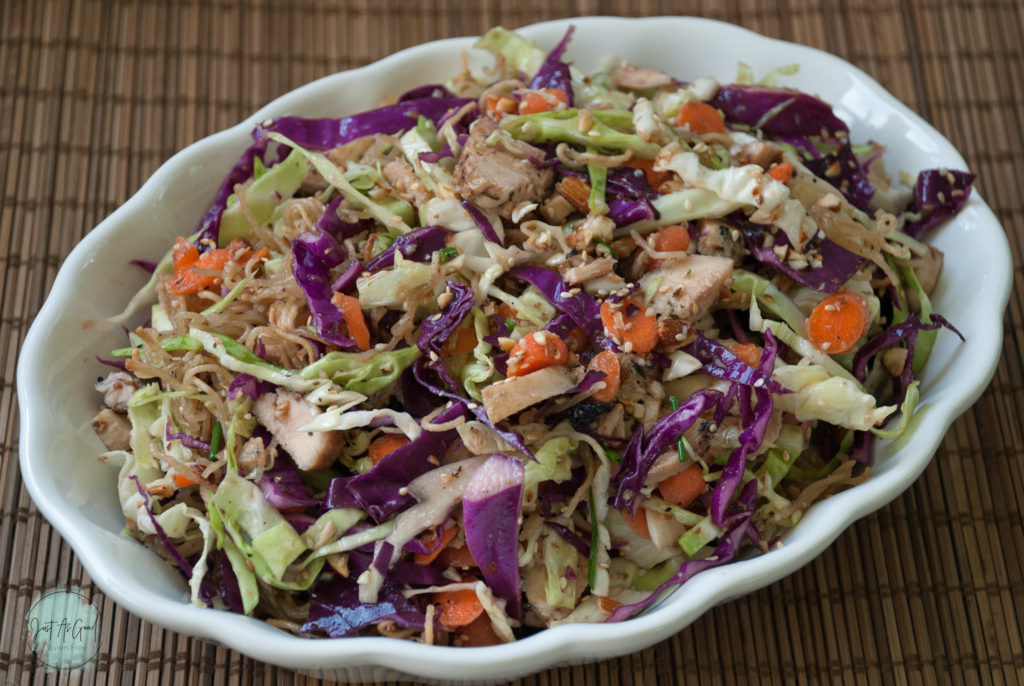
[674,402]
[612,455]
[215,440]
[448,254]
[510,322]
[602,242]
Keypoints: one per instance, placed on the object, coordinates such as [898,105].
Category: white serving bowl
[57,368]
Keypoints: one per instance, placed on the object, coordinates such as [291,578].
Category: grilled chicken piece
[282,413]
[505,398]
[688,288]
[400,176]
[494,178]
[117,389]
[639,78]
[113,429]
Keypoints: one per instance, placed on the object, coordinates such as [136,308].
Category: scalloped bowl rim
[561,645]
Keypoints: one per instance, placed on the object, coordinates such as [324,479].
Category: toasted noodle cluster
[523,349]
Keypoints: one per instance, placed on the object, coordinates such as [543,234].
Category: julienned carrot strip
[781,172]
[683,488]
[354,319]
[629,322]
[463,341]
[182,481]
[384,445]
[637,522]
[478,633]
[608,362]
[446,537]
[654,178]
[457,608]
[536,351]
[456,556]
[838,322]
[190,268]
[534,102]
[700,117]
[748,352]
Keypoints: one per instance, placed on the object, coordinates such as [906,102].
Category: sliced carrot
[654,178]
[477,634]
[608,362]
[457,608]
[534,102]
[673,238]
[637,522]
[700,117]
[183,481]
[456,556]
[184,256]
[498,106]
[577,339]
[384,445]
[354,319]
[506,311]
[748,352]
[536,351]
[838,322]
[446,537]
[463,341]
[629,322]
[781,172]
[683,488]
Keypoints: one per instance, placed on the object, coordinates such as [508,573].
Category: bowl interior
[77,493]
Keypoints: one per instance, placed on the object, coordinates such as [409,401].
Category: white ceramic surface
[57,368]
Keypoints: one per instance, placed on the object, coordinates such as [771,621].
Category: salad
[526,348]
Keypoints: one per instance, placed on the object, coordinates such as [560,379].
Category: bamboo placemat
[95,94]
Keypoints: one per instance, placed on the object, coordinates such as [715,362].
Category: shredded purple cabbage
[326,134]
[906,332]
[283,488]
[755,420]
[144,264]
[643,449]
[439,327]
[116,364]
[417,245]
[938,195]
[726,550]
[481,221]
[491,508]
[576,303]
[553,72]
[186,440]
[246,384]
[314,255]
[335,609]
[161,535]
[837,263]
[778,111]
[844,171]
[721,363]
[377,492]
[570,537]
[209,225]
